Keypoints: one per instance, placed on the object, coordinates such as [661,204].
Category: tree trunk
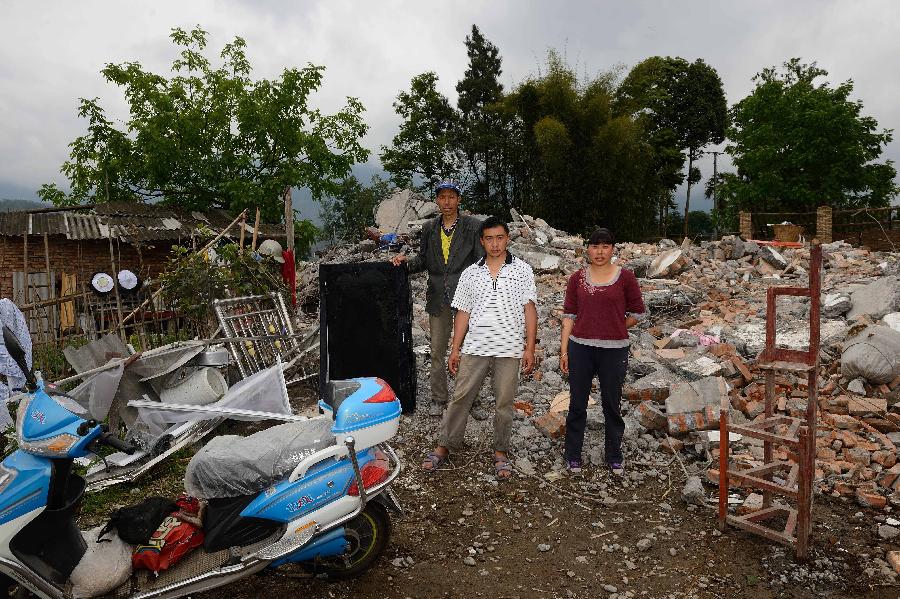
[687,200]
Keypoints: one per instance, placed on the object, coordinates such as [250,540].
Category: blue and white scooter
[330,515]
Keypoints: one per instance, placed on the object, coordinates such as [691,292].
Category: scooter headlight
[52,447]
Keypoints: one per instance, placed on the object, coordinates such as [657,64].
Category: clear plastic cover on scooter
[233,466]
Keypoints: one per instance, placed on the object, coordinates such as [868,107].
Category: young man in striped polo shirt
[495,327]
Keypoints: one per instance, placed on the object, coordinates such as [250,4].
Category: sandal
[502,468]
[433,461]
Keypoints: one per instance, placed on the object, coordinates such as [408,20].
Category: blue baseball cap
[447,184]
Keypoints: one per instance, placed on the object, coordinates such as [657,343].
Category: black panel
[51,544]
[366,326]
[224,527]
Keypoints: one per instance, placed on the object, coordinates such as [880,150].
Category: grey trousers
[469,378]
[441,327]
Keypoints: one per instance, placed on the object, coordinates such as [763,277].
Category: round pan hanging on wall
[102,283]
[128,281]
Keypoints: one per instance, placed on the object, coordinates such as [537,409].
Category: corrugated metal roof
[13,223]
[130,222]
[85,226]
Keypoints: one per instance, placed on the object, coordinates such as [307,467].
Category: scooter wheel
[367,538]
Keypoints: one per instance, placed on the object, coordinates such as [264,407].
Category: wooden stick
[255,231]
[51,293]
[243,226]
[115,276]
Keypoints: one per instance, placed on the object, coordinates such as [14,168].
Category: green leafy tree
[211,137]
[682,108]
[484,126]
[702,116]
[701,224]
[347,213]
[581,164]
[423,151]
[797,143]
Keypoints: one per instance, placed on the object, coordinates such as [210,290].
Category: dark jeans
[609,365]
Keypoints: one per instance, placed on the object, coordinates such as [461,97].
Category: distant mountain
[8,205]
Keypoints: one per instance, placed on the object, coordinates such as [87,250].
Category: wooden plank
[765,485]
[762,531]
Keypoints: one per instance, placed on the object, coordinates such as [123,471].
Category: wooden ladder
[790,479]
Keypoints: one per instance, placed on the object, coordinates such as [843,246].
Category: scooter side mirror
[18,355]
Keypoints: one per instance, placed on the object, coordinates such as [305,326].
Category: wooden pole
[115,276]
[51,288]
[243,227]
[25,263]
[255,231]
[289,218]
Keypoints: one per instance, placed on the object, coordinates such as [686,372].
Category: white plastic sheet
[97,392]
[12,317]
[264,391]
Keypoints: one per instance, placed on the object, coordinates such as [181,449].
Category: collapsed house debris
[702,342]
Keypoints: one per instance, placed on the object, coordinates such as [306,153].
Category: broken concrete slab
[892,320]
[668,264]
[571,242]
[394,213]
[695,405]
[877,299]
[541,262]
[835,305]
[698,367]
[773,257]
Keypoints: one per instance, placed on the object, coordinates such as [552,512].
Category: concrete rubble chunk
[773,257]
[394,214]
[876,299]
[835,305]
[695,406]
[668,264]
[892,320]
[571,242]
[693,492]
[541,262]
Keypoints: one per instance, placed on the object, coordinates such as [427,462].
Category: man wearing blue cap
[448,245]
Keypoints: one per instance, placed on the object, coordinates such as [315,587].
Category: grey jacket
[465,249]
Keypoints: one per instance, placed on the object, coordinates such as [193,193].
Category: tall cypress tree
[481,133]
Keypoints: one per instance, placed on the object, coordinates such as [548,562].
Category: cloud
[55,50]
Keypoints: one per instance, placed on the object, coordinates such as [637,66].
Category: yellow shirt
[445,244]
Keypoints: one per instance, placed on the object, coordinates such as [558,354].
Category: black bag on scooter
[136,523]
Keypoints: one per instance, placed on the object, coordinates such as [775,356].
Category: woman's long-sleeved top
[599,310]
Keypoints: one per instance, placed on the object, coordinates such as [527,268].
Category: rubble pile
[700,343]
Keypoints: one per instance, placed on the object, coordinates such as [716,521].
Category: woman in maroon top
[602,302]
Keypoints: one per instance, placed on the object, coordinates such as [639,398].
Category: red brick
[886,458]
[893,558]
[552,425]
[671,445]
[871,499]
[524,406]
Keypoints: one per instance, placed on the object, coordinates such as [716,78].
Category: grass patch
[166,480]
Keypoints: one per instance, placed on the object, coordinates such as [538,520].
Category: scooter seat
[233,466]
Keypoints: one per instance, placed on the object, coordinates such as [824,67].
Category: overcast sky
[51,53]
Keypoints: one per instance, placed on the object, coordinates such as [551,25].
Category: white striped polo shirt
[496,307]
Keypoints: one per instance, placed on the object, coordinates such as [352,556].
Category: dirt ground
[531,538]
